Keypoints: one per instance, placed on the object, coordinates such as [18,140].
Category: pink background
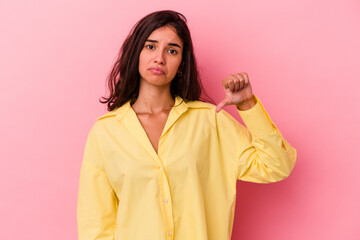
[302,57]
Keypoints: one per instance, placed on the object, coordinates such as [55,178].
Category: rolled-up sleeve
[97,201]
[260,153]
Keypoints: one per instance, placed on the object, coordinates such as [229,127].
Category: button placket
[166,205]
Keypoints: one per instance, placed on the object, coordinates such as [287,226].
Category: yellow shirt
[186,191]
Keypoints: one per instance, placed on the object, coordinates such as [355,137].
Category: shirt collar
[180,106]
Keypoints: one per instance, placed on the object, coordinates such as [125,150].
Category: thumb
[222,104]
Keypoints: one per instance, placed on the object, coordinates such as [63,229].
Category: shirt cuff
[257,120]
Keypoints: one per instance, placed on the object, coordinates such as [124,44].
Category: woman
[161,164]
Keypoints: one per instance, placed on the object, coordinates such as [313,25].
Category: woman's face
[160,57]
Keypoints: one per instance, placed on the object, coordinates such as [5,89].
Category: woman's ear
[181,67]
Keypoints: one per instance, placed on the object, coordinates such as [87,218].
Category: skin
[154,101]
[238,92]
[154,92]
[163,49]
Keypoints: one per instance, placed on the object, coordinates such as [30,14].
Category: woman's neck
[153,100]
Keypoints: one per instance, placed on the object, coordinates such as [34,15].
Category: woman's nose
[159,58]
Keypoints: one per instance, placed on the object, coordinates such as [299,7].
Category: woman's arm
[260,153]
[97,202]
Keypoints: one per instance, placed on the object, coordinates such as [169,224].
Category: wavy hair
[124,79]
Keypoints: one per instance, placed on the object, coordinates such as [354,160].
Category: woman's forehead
[165,33]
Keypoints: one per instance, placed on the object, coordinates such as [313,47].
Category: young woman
[161,164]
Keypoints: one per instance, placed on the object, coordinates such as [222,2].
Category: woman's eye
[150,46]
[172,51]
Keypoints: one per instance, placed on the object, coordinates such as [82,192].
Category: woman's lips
[156,71]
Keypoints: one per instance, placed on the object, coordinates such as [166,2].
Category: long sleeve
[259,152]
[97,202]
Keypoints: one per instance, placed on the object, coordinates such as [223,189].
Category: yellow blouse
[186,191]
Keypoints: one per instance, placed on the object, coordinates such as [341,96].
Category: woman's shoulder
[116,112]
[108,114]
[200,104]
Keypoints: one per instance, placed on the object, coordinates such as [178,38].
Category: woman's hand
[238,92]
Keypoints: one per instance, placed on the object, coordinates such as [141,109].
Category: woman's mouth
[156,71]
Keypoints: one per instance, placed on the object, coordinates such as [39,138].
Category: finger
[231,84]
[237,84]
[225,82]
[242,84]
[241,80]
[222,104]
[246,77]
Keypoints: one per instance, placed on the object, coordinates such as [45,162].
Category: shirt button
[170,233]
[161,168]
[165,200]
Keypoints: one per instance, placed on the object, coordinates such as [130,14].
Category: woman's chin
[157,81]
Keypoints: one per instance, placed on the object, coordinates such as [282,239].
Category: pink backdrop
[302,57]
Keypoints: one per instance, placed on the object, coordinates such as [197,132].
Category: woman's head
[124,79]
[160,58]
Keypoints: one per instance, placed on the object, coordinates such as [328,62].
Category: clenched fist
[238,92]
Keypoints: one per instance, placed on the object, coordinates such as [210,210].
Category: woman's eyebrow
[170,44]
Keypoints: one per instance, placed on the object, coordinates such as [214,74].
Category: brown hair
[124,78]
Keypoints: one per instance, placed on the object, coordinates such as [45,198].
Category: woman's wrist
[247,104]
